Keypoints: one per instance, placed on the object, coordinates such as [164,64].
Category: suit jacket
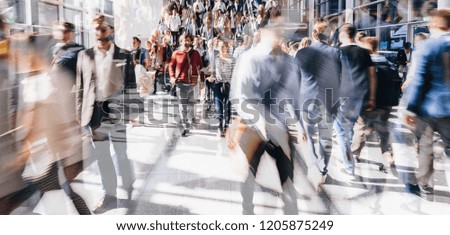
[86,80]
[321,68]
[428,94]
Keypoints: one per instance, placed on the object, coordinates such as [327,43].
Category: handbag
[144,80]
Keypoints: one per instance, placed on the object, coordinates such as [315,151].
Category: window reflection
[15,12]
[45,15]
[78,3]
[422,9]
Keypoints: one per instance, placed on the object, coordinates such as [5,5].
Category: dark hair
[349,30]
[68,27]
[407,45]
[320,30]
[137,39]
[189,36]
[98,19]
[371,43]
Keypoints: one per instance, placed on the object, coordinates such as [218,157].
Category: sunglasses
[101,29]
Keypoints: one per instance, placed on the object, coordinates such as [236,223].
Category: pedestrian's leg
[289,198]
[443,128]
[426,168]
[343,138]
[359,137]
[119,143]
[227,111]
[71,172]
[325,145]
[107,171]
[218,105]
[248,187]
[192,100]
[247,191]
[182,94]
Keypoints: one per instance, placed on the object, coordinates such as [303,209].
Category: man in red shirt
[184,70]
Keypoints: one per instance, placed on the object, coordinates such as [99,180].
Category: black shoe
[412,188]
[184,132]
[106,204]
[220,132]
[224,131]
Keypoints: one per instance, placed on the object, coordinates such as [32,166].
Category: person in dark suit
[101,73]
[320,67]
[403,59]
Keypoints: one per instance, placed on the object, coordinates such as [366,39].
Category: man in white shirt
[174,25]
[101,73]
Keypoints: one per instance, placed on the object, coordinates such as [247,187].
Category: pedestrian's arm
[372,88]
[419,84]
[172,67]
[172,70]
[79,88]
[199,61]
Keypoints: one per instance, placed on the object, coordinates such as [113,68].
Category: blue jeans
[344,135]
[320,150]
[222,103]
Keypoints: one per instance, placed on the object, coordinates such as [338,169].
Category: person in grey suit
[320,68]
[264,92]
[101,73]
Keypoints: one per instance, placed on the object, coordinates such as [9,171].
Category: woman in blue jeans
[224,71]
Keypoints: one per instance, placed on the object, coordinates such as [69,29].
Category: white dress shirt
[103,63]
[174,23]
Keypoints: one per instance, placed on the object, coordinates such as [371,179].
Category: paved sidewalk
[196,175]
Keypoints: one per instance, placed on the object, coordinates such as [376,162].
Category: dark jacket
[65,59]
[321,71]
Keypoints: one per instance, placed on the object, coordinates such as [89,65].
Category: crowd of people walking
[268,94]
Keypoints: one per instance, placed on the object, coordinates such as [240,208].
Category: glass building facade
[38,16]
[393,22]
